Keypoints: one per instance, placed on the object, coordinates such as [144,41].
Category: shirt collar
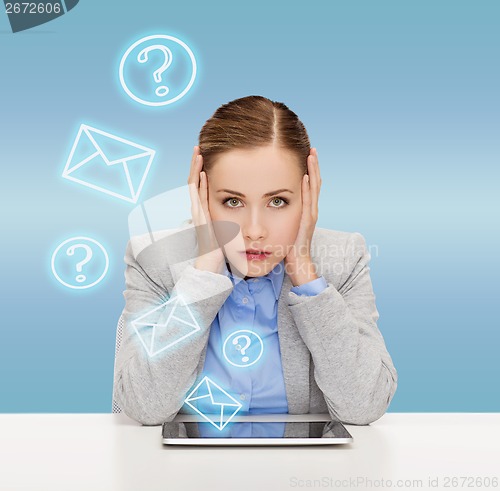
[276,276]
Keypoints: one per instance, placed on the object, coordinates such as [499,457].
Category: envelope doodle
[218,406]
[108,163]
[165,326]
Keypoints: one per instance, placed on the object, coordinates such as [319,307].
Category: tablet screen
[257,430]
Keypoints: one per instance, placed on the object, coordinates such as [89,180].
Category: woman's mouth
[252,255]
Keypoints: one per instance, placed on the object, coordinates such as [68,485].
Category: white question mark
[240,349]
[79,266]
[142,57]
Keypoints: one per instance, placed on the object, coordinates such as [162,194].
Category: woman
[260,266]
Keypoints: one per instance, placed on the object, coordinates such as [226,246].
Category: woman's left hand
[298,263]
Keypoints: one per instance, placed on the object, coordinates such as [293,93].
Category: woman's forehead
[264,166]
[255,182]
[268,153]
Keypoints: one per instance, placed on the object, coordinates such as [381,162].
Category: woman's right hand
[210,256]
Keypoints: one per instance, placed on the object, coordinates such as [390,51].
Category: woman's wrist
[207,263]
[302,271]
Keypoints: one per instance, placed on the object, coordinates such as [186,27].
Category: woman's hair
[250,122]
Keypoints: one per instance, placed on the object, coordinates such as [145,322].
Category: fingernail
[307,179]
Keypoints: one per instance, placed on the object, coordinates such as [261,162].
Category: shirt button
[245,300]
[255,280]
[243,397]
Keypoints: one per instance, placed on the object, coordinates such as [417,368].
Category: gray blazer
[333,355]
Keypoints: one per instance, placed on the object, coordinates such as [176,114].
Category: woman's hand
[210,256]
[298,263]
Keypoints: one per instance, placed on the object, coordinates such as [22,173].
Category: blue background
[401,100]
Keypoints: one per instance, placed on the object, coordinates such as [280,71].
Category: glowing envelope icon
[108,163]
[165,326]
[220,406]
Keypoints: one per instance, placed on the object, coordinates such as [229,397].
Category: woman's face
[260,191]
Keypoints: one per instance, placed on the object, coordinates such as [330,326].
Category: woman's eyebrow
[271,193]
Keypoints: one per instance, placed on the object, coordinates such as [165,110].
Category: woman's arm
[352,366]
[151,389]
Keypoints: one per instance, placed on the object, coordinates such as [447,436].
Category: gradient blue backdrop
[400,98]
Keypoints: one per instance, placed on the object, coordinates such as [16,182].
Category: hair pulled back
[250,122]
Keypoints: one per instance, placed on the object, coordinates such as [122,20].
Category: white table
[93,452]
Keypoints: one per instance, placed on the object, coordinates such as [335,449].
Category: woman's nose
[254,227]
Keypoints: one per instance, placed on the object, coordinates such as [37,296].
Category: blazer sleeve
[151,389]
[352,366]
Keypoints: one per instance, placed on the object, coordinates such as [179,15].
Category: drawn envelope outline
[174,303]
[141,152]
[213,396]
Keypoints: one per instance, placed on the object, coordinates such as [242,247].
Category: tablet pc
[257,433]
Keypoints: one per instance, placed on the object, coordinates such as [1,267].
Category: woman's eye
[232,202]
[236,203]
[278,202]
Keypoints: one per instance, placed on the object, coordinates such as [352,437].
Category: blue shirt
[253,305]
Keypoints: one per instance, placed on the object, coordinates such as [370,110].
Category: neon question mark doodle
[61,266]
[79,266]
[142,57]
[129,65]
[240,349]
[250,338]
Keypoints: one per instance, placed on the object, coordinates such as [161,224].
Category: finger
[306,198]
[198,164]
[314,184]
[197,210]
[204,193]
[320,181]
[315,180]
[192,171]
[195,201]
[313,169]
[206,210]
[195,169]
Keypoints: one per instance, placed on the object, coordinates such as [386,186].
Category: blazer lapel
[295,356]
